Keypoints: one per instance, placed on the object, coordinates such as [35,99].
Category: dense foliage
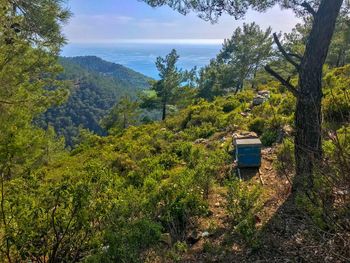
[242,56]
[114,198]
[98,86]
[138,194]
[174,85]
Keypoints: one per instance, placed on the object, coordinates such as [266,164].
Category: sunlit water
[141,57]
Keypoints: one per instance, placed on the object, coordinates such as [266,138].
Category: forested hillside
[97,85]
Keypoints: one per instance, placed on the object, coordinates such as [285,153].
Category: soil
[283,232]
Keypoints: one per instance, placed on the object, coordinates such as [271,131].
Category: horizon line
[194,41]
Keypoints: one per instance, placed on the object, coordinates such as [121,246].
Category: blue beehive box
[248,152]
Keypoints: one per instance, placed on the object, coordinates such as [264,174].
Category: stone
[264,93]
[200,141]
[258,100]
[205,234]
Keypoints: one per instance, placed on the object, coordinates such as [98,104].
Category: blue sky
[108,21]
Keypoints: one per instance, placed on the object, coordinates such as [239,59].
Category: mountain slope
[125,76]
[98,86]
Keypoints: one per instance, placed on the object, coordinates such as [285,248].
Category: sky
[111,21]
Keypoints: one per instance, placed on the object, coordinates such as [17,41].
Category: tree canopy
[38,21]
[170,88]
[240,58]
[213,9]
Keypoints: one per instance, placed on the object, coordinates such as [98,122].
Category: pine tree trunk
[308,147]
[164,111]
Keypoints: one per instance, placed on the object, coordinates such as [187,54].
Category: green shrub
[197,132]
[269,137]
[257,125]
[177,210]
[285,162]
[177,251]
[243,205]
[126,241]
[230,105]
[336,104]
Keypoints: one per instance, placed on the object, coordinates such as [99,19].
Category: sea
[141,57]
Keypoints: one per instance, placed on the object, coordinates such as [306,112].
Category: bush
[243,204]
[196,132]
[328,203]
[285,162]
[178,204]
[126,241]
[229,106]
[269,137]
[257,125]
[336,104]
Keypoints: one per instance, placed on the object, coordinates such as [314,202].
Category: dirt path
[217,243]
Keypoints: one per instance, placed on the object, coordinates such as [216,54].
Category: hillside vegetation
[170,190]
[97,85]
[143,194]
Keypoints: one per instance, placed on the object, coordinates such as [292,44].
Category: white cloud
[117,27]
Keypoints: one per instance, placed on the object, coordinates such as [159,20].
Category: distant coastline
[185,41]
[140,55]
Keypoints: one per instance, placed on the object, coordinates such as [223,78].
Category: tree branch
[284,53]
[309,8]
[295,55]
[284,82]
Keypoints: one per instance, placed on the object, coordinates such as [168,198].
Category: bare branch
[309,8]
[284,82]
[284,53]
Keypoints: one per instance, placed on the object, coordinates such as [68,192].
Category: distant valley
[98,85]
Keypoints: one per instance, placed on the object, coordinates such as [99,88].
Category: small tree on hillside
[168,89]
[123,114]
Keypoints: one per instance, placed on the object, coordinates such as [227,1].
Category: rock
[342,192]
[258,100]
[264,93]
[244,135]
[200,141]
[205,234]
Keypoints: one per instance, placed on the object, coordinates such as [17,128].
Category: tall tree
[324,13]
[246,52]
[30,39]
[240,58]
[169,89]
[39,22]
[171,79]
